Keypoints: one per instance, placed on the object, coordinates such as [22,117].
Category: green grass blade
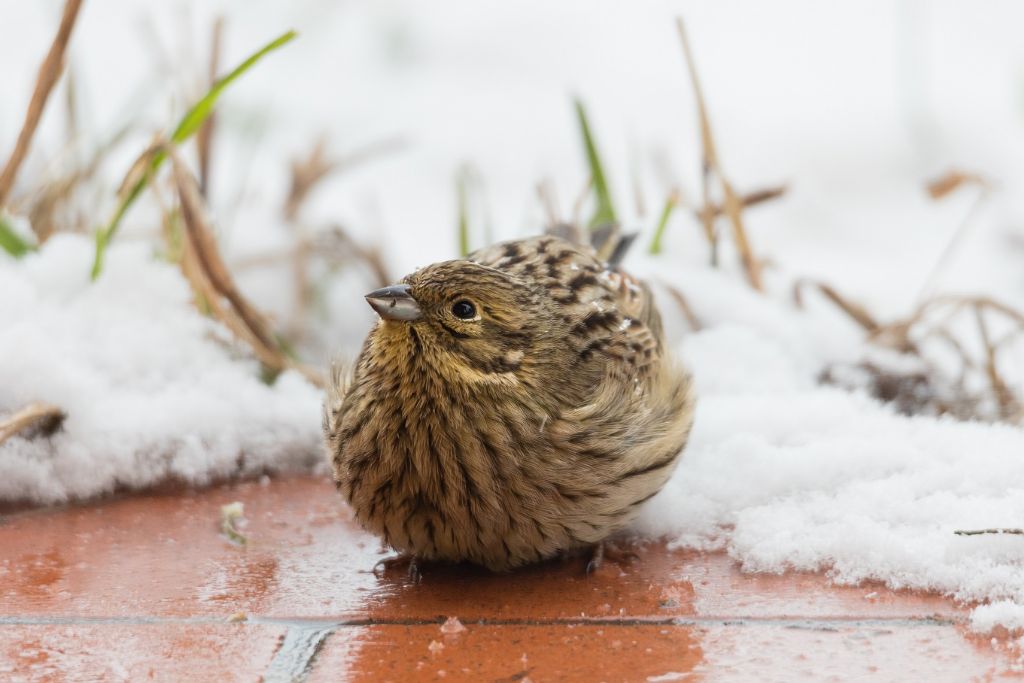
[12,242]
[189,124]
[671,202]
[195,116]
[605,212]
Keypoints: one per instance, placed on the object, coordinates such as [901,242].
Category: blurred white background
[854,105]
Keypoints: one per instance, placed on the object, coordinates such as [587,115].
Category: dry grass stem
[205,268]
[41,417]
[335,246]
[308,172]
[549,200]
[707,213]
[939,189]
[950,181]
[684,307]
[753,199]
[370,256]
[979,532]
[856,312]
[555,225]
[1010,408]
[49,73]
[204,138]
[581,199]
[44,206]
[932,320]
[732,204]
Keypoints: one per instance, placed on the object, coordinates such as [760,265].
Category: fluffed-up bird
[508,407]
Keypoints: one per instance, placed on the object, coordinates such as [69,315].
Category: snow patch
[152,389]
[1004,613]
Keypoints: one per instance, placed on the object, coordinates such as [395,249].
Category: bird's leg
[405,561]
[608,550]
[596,558]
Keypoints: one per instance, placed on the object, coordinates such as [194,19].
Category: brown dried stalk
[40,416]
[978,532]
[555,225]
[856,312]
[306,174]
[371,256]
[548,199]
[203,265]
[951,180]
[335,246]
[1009,407]
[45,204]
[204,137]
[309,172]
[581,198]
[897,335]
[732,205]
[684,306]
[49,73]
[709,212]
[939,189]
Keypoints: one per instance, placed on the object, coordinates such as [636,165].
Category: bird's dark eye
[463,310]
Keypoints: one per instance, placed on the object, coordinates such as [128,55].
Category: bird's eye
[464,310]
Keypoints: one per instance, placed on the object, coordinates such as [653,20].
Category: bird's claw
[408,562]
[605,550]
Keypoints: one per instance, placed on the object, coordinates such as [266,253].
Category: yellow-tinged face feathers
[477,317]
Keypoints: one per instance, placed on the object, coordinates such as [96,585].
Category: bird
[508,407]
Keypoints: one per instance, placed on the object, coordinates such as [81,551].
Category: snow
[1005,613]
[452,626]
[853,105]
[153,391]
[784,474]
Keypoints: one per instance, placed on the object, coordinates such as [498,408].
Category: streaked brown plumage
[535,426]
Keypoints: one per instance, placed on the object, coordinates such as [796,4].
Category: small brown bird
[508,407]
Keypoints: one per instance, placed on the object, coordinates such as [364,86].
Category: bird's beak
[395,303]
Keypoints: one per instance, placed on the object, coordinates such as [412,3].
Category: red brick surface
[142,588]
[136,652]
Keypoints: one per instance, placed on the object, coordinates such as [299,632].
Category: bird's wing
[339,383]
[636,436]
[611,315]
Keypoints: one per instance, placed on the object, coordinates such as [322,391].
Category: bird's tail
[608,241]
[611,244]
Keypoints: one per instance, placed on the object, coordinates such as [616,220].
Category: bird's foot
[403,561]
[606,550]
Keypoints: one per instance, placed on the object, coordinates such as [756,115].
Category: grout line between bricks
[294,658]
[318,623]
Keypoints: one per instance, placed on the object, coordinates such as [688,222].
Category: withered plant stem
[32,415]
[49,73]
[204,138]
[201,250]
[732,204]
[966,223]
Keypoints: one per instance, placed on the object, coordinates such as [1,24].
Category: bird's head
[470,321]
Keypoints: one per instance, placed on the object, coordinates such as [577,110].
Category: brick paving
[147,588]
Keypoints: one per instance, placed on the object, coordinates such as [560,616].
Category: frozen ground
[853,105]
